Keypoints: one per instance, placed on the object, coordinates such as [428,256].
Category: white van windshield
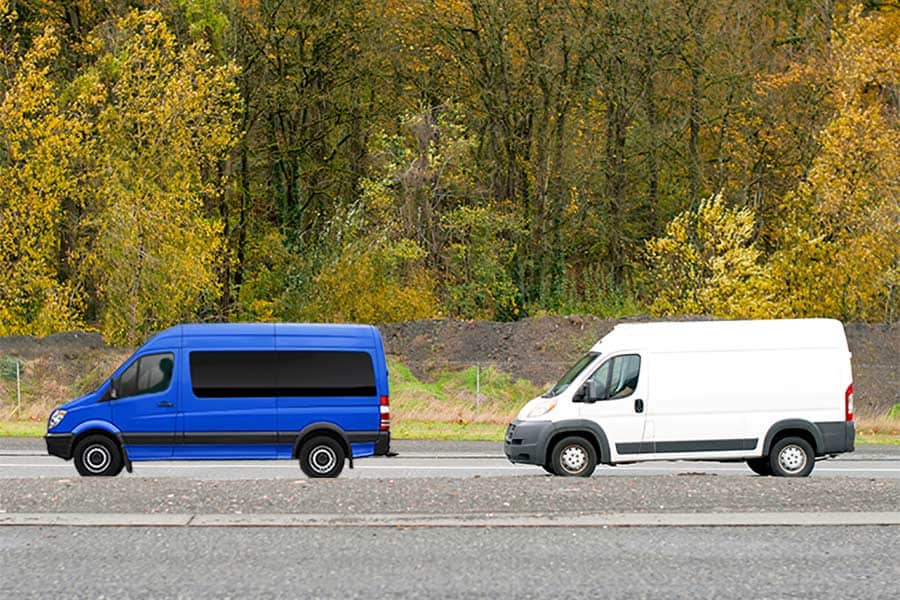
[571,374]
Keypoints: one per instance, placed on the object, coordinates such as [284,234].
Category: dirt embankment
[541,349]
[60,367]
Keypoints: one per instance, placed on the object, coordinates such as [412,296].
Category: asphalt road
[28,459]
[447,520]
[771,562]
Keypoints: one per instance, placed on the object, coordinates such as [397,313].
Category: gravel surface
[777,562]
[537,494]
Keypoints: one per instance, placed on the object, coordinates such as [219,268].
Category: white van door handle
[638,406]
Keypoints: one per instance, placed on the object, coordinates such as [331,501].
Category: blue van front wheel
[322,456]
[98,455]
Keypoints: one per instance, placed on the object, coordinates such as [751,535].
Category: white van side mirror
[587,393]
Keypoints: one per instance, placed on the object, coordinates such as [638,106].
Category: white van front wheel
[792,457]
[574,457]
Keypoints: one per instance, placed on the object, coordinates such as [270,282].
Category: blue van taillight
[385,414]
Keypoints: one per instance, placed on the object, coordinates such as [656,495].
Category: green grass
[22,429]
[880,439]
[451,396]
[441,430]
[894,413]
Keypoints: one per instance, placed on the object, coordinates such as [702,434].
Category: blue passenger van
[316,393]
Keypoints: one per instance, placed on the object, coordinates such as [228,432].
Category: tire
[792,457]
[98,456]
[573,457]
[760,466]
[322,456]
[549,469]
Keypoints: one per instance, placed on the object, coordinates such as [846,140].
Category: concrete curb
[783,519]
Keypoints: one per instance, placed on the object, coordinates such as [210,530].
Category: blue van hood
[89,398]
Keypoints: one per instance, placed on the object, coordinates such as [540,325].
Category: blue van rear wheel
[322,456]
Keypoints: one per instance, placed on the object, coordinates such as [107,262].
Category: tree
[167,123]
[707,264]
[40,138]
[840,245]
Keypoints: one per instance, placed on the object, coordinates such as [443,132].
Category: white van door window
[617,377]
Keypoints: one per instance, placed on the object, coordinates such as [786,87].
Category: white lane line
[646,468]
[366,467]
[740,519]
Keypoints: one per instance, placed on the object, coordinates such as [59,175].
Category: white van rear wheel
[574,457]
[792,457]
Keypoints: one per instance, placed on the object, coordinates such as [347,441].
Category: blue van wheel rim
[96,458]
[322,459]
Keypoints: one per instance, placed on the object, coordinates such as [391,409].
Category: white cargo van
[776,394]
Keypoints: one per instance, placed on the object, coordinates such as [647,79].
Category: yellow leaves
[707,264]
[841,258]
[109,175]
[379,285]
[867,54]
[38,140]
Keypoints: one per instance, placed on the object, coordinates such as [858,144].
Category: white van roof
[694,336]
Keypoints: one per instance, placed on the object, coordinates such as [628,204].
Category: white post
[18,392]
[477,389]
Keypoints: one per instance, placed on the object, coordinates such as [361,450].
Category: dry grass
[883,425]
[47,382]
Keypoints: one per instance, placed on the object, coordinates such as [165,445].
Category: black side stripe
[224,438]
[363,391]
[686,446]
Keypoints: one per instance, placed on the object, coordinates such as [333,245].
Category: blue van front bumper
[59,444]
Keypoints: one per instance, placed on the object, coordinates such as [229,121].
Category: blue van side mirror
[113,392]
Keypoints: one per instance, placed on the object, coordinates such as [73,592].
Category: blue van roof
[363,332]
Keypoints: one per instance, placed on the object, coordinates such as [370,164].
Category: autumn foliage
[344,161]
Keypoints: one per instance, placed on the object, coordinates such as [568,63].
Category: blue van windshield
[571,374]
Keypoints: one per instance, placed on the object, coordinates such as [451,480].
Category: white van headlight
[541,409]
[56,418]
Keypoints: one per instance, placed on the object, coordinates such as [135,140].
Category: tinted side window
[617,377]
[128,381]
[147,375]
[233,374]
[325,373]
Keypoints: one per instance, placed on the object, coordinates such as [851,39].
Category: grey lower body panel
[837,437]
[526,441]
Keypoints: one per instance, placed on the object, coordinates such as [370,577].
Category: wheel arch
[581,427]
[794,427]
[323,428]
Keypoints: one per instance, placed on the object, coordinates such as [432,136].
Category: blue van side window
[321,373]
[264,374]
[233,374]
[147,375]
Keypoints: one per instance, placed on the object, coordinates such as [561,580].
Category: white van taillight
[848,402]
[385,414]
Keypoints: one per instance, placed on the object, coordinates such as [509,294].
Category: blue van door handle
[638,406]
[165,404]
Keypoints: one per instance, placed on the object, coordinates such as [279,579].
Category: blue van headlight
[56,418]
